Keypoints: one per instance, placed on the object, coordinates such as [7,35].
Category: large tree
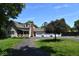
[62,25]
[58,26]
[7,11]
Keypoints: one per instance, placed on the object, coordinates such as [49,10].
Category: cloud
[61,6]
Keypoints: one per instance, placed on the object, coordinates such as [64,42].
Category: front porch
[23,33]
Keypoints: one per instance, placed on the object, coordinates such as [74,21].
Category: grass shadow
[0,51]
[48,49]
[51,51]
[30,51]
[3,38]
[25,51]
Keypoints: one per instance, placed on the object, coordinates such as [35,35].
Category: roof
[20,26]
[24,29]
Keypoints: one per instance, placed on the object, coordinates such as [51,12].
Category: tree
[8,11]
[28,22]
[44,25]
[56,27]
[73,29]
[76,25]
[50,28]
[62,26]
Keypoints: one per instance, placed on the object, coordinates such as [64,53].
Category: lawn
[60,47]
[8,43]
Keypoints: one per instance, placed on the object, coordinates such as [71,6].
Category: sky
[46,12]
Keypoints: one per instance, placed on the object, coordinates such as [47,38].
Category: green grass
[8,43]
[61,47]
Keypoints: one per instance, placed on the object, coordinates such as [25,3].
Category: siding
[13,34]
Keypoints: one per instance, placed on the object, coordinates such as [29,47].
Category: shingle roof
[20,26]
[23,29]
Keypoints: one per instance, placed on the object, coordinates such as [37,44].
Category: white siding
[13,34]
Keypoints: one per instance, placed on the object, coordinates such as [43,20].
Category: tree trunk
[55,36]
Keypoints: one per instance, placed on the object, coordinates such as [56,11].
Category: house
[17,29]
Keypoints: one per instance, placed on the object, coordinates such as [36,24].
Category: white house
[17,29]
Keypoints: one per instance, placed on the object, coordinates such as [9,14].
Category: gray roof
[23,29]
[20,26]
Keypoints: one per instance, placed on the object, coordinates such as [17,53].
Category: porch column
[30,30]
[23,33]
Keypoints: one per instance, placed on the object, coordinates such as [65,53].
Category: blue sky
[46,12]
